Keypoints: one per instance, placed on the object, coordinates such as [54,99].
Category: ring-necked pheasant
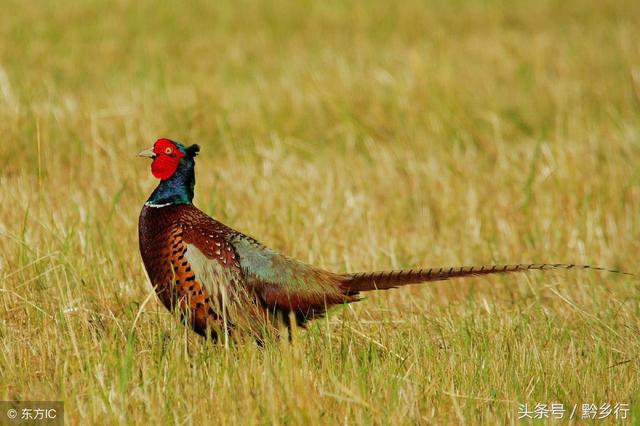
[223,280]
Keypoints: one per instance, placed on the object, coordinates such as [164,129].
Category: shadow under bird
[225,283]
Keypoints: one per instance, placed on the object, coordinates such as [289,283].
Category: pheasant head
[174,165]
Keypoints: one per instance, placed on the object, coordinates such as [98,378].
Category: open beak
[147,153]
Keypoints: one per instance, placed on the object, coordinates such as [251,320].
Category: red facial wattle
[163,167]
[167,159]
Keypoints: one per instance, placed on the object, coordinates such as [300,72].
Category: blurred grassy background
[353,135]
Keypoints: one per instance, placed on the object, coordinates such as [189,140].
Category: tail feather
[366,281]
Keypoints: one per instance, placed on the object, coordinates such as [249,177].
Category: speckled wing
[216,265]
[222,256]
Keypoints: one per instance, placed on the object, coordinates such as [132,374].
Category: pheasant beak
[147,153]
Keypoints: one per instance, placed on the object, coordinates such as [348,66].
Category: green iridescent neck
[178,189]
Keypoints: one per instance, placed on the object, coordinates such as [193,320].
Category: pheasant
[223,281]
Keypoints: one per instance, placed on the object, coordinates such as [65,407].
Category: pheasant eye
[168,150]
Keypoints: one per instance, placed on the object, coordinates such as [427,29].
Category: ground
[352,135]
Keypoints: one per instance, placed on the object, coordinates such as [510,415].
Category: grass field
[355,136]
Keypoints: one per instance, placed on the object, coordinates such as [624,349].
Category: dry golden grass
[363,135]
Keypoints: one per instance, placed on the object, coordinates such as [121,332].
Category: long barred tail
[366,281]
